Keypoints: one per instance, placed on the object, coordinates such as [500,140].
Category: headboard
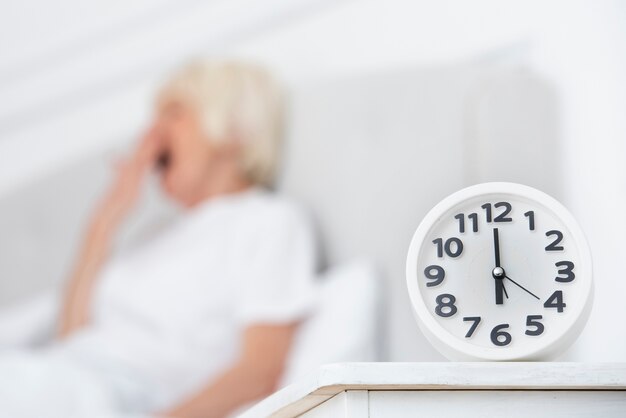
[371,155]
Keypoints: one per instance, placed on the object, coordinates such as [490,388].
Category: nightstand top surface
[332,379]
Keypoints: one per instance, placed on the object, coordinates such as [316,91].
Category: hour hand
[500,292]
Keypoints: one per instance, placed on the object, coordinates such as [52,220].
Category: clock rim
[452,346]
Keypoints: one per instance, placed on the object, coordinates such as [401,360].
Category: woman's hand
[256,374]
[120,198]
[125,190]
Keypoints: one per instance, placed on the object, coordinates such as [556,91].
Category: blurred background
[394,105]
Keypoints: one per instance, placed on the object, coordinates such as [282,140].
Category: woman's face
[187,155]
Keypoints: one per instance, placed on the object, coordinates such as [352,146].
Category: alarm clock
[500,272]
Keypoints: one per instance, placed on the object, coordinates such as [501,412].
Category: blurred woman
[199,320]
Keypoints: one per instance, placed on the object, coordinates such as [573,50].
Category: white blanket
[38,384]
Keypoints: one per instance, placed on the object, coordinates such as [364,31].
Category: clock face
[500,271]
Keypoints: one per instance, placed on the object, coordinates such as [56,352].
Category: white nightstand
[402,390]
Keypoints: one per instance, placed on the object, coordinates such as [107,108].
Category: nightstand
[454,390]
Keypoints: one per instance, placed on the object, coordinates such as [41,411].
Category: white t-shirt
[171,313]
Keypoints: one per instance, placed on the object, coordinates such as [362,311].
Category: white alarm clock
[500,271]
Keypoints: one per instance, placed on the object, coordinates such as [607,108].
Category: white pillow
[346,324]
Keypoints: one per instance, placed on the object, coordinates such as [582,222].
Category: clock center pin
[498,273]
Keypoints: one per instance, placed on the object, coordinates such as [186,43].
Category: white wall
[76,77]
[585,54]
[580,46]
[66,94]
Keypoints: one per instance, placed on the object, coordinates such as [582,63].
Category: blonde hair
[235,101]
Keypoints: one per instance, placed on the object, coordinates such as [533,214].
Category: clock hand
[496,246]
[500,290]
[498,272]
[523,288]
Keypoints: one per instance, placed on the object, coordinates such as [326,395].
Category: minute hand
[500,289]
[496,246]
[523,288]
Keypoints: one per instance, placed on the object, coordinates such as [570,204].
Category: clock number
[555,301]
[568,270]
[475,320]
[507,209]
[531,219]
[499,337]
[472,217]
[461,218]
[554,245]
[445,301]
[501,217]
[447,247]
[533,321]
[437,277]
[487,207]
